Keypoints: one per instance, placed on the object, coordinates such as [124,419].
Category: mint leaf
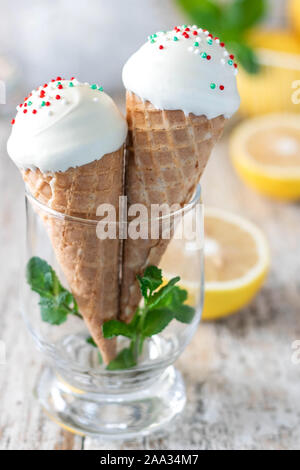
[229,21]
[150,281]
[205,13]
[184,313]
[40,276]
[241,15]
[156,320]
[113,328]
[245,56]
[124,360]
[90,341]
[56,302]
[158,297]
[52,312]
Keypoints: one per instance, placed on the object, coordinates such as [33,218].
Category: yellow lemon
[236,263]
[271,90]
[294,14]
[266,154]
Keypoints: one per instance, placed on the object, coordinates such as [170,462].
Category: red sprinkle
[52,80]
[45,86]
[13,121]
[25,111]
[42,94]
[235,66]
[58,78]
[231,56]
[210,36]
[204,30]
[161,47]
[208,57]
[57,97]
[221,87]
[34,111]
[186,35]
[48,103]
[25,104]
[21,105]
[195,33]
[216,38]
[60,87]
[187,29]
[72,78]
[222,44]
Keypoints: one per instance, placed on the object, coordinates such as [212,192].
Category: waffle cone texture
[90,264]
[167,152]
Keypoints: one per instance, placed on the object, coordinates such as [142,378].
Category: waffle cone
[90,265]
[167,152]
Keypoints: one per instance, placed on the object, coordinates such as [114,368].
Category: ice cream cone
[68,141]
[167,152]
[90,265]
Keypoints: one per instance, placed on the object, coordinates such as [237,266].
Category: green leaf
[229,21]
[205,13]
[184,313]
[240,15]
[150,281]
[52,312]
[90,341]
[113,328]
[156,320]
[158,297]
[245,55]
[124,360]
[40,276]
[56,302]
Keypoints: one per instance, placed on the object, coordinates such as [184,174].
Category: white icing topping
[187,70]
[65,126]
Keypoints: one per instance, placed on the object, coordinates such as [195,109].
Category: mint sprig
[56,302]
[231,21]
[162,304]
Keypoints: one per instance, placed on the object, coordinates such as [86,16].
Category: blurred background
[91,40]
[242,383]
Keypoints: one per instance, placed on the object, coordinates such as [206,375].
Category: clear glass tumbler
[74,388]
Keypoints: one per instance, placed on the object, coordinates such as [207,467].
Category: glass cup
[74,388]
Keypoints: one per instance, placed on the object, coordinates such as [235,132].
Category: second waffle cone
[167,152]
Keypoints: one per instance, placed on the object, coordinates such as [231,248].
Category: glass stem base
[116,415]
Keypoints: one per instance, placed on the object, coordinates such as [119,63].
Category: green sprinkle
[58,83]
[152,41]
[209,41]
[230,62]
[29,103]
[43,103]
[94,87]
[100,88]
[184,26]
[71,84]
[154,36]
[212,86]
[175,38]
[203,55]
[196,44]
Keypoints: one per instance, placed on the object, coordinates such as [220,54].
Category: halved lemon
[237,260]
[294,14]
[269,90]
[266,154]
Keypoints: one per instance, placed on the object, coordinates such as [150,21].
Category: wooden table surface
[243,389]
